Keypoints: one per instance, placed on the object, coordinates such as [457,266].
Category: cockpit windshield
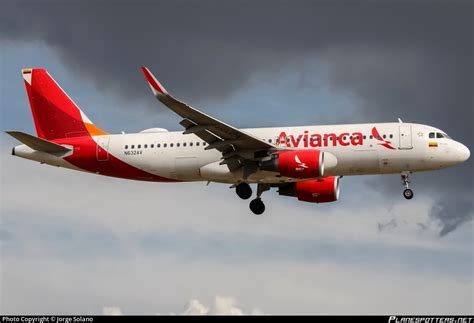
[438,135]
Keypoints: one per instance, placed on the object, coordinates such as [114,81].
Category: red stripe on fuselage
[85,157]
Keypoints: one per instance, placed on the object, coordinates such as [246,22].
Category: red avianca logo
[383,142]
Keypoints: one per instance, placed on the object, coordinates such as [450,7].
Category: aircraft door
[103,148]
[405,140]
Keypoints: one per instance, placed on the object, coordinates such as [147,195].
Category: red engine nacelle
[296,164]
[318,191]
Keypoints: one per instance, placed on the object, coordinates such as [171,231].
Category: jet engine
[296,163]
[315,191]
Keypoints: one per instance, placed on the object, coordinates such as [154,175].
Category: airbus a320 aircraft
[303,162]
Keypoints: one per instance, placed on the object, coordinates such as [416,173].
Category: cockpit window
[438,135]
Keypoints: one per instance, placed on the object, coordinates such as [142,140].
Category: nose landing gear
[407,193]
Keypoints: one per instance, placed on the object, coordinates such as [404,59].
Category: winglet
[155,85]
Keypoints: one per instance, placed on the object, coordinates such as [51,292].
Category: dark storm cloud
[409,59]
[209,48]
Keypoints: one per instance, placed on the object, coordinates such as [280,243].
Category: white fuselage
[183,157]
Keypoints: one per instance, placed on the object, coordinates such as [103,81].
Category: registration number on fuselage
[132,152]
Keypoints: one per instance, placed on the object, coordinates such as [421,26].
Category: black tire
[257,206]
[244,191]
[408,194]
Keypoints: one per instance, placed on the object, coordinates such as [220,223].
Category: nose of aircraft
[463,153]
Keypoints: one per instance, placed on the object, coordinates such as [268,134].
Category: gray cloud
[111,310]
[409,59]
[223,305]
[452,214]
[210,49]
[138,248]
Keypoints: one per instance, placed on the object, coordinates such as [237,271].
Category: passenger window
[152,146]
[146,146]
[184,144]
[197,143]
[139,146]
[165,145]
[204,143]
[171,145]
[371,136]
[364,136]
[158,145]
[191,143]
[126,146]
[133,146]
[432,134]
[177,145]
[384,136]
[270,141]
[391,136]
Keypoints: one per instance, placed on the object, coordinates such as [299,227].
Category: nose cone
[463,153]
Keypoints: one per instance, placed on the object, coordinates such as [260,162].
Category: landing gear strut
[407,193]
[244,191]
[256,205]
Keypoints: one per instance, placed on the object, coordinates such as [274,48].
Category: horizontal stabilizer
[38,143]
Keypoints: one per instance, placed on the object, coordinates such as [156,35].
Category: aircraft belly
[356,162]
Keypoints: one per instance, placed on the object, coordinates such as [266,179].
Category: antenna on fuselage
[400,120]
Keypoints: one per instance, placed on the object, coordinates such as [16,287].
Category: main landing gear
[244,191]
[407,193]
[256,205]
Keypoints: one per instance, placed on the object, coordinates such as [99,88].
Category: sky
[78,243]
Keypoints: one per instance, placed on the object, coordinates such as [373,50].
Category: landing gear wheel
[408,194]
[257,206]
[244,191]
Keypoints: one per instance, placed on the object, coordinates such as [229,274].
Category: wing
[235,145]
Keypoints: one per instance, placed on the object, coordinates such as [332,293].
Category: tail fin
[55,114]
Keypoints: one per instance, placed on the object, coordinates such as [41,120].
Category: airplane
[305,162]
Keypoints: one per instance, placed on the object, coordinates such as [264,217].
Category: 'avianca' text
[318,140]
